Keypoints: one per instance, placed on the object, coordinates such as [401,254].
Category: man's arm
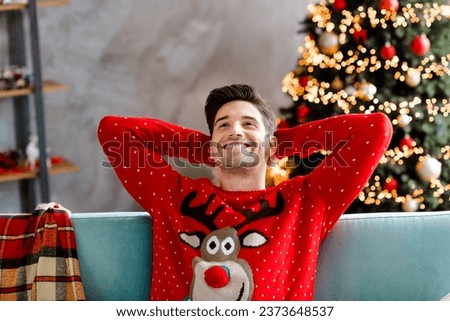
[135,148]
[356,141]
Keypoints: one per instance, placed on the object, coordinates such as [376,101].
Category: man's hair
[220,96]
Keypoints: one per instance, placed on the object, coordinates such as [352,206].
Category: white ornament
[21,83]
[32,151]
[8,74]
[328,43]
[428,168]
[412,78]
[404,120]
[410,205]
[351,90]
[49,159]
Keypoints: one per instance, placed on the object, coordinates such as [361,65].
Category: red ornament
[55,160]
[340,5]
[420,45]
[388,51]
[302,112]
[304,81]
[360,36]
[389,5]
[390,184]
[17,75]
[407,142]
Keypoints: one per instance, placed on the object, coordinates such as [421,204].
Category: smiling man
[238,135]
[242,138]
[240,240]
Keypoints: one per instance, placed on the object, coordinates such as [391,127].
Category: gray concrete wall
[155,58]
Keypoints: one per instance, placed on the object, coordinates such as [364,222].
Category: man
[241,127]
[240,240]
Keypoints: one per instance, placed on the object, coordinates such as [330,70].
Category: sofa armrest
[114,252]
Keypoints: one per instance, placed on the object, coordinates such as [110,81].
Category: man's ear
[273,146]
[271,153]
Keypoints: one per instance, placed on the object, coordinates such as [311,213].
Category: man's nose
[236,131]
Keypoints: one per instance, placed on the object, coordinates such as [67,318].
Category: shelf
[18,16]
[52,3]
[40,3]
[62,168]
[48,86]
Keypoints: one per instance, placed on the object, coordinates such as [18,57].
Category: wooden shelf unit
[48,86]
[62,168]
[18,16]
[40,3]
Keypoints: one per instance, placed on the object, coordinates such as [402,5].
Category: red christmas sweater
[260,245]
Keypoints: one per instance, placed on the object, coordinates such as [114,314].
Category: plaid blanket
[38,256]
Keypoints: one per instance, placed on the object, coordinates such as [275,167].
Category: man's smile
[235,144]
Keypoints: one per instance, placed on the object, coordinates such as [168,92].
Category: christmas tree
[384,56]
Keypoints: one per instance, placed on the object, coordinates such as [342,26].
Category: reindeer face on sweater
[219,274]
[222,245]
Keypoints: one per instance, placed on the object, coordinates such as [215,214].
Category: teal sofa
[386,256]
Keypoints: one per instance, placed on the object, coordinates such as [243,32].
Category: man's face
[239,136]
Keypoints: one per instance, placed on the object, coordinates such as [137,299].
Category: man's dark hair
[220,96]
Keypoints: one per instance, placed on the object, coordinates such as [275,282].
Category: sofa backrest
[391,256]
[395,256]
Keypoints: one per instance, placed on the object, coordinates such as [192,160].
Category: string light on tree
[367,91]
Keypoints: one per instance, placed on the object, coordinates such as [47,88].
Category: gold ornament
[412,78]
[337,84]
[328,43]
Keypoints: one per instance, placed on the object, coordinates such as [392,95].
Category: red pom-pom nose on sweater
[217,276]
